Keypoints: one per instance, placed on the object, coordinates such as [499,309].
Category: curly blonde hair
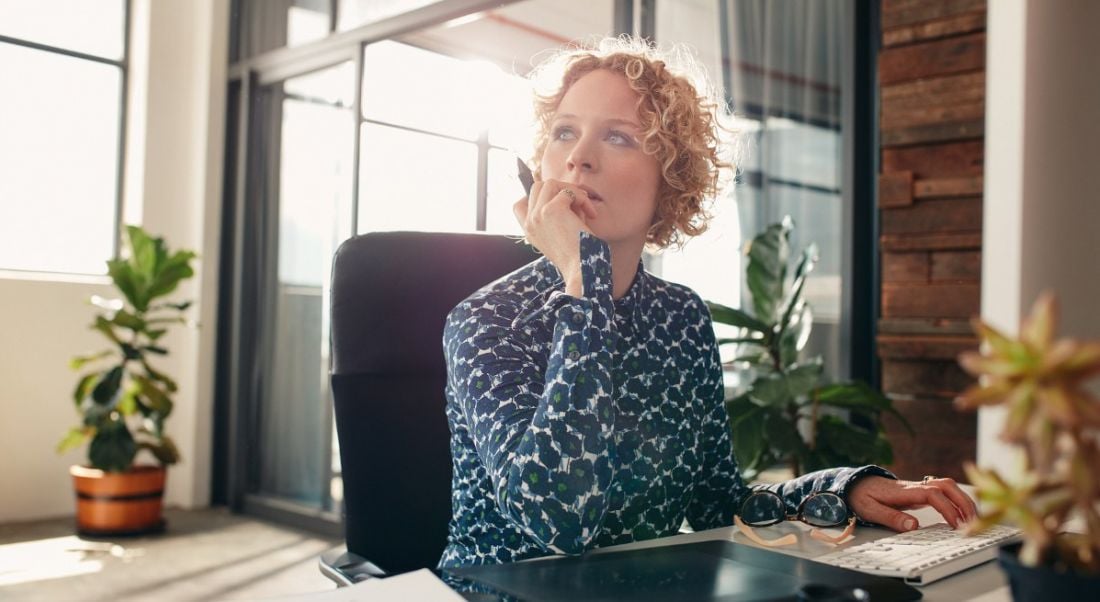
[679,120]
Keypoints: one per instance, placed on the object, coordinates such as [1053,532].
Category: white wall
[1042,181]
[173,186]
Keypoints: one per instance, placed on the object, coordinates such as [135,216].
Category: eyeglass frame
[790,538]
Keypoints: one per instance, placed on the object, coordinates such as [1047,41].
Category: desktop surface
[703,570]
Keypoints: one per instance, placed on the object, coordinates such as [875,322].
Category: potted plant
[1056,422]
[787,413]
[123,400]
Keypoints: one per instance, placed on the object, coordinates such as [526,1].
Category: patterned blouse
[578,423]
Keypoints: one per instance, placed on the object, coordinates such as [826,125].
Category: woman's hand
[552,217]
[880,500]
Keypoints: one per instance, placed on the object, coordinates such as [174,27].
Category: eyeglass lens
[824,510]
[764,508]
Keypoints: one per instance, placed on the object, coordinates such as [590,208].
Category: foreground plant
[788,395]
[124,402]
[1056,421]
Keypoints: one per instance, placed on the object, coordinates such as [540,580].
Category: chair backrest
[391,292]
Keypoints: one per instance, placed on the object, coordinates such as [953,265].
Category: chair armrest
[346,568]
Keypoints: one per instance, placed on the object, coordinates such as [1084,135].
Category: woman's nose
[582,157]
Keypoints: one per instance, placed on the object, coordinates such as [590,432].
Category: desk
[983,583]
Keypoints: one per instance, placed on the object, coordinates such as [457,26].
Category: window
[61,127]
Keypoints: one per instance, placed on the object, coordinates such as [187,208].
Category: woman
[585,395]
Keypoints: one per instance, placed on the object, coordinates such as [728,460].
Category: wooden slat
[931,242]
[954,159]
[905,267]
[933,30]
[924,347]
[948,187]
[952,55]
[947,90]
[938,379]
[936,132]
[898,14]
[895,189]
[907,300]
[936,326]
[934,217]
[929,113]
[956,265]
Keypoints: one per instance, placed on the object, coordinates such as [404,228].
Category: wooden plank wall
[932,118]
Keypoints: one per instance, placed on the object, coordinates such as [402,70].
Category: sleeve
[543,435]
[720,491]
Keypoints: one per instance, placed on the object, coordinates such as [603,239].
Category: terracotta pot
[118,503]
[1043,583]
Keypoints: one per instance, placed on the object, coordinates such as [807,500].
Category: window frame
[123,64]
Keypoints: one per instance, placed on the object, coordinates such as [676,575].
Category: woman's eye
[563,133]
[619,138]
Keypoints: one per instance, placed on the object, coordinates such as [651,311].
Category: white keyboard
[925,555]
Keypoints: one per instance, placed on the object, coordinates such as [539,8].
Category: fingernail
[910,524]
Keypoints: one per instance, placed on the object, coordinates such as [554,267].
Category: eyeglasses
[821,510]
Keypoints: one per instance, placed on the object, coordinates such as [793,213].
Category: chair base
[345,568]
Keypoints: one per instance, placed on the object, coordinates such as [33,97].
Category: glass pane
[314,201]
[408,86]
[504,190]
[353,13]
[266,25]
[88,26]
[50,223]
[414,181]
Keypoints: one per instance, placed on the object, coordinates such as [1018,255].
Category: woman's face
[595,143]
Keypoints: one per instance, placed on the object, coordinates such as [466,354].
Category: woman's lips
[592,194]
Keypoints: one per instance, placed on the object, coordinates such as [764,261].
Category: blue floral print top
[578,423]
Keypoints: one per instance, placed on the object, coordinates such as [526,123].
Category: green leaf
[771,390]
[155,349]
[164,450]
[851,444]
[79,361]
[158,400]
[144,251]
[84,387]
[113,447]
[169,384]
[782,434]
[129,283]
[176,269]
[859,396]
[104,325]
[127,402]
[802,378]
[766,272]
[735,317]
[794,297]
[156,334]
[74,438]
[106,390]
[126,319]
[743,340]
[748,439]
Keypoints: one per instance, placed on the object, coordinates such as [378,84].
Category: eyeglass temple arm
[820,535]
[786,540]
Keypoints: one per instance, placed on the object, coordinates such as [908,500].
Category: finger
[584,205]
[887,516]
[958,497]
[939,501]
[519,208]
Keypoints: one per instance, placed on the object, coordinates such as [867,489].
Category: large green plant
[124,401]
[787,414]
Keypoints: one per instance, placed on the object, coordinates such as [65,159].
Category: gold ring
[572,195]
[927,478]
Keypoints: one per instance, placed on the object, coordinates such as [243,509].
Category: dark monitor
[708,570]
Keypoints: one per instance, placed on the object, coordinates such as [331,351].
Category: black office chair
[391,292]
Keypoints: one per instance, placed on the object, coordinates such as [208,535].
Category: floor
[203,555]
